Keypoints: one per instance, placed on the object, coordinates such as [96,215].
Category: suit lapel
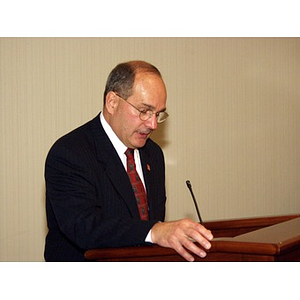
[120,180]
[113,167]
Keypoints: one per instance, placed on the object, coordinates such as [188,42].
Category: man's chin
[140,143]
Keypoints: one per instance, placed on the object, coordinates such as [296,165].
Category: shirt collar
[118,145]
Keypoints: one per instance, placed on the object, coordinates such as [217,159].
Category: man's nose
[152,122]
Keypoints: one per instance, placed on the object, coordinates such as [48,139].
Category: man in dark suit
[90,201]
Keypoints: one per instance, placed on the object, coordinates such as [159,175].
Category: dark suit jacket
[89,199]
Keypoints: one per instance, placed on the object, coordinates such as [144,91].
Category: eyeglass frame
[147,112]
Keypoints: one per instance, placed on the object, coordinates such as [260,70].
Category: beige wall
[234,125]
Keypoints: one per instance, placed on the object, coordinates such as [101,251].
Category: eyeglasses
[146,114]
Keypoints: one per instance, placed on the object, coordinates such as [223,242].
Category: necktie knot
[129,152]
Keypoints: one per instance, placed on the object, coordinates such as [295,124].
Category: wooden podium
[255,239]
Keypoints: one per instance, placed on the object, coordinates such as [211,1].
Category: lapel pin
[148,167]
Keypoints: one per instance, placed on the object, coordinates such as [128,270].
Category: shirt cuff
[148,237]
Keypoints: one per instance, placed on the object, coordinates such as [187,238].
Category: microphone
[189,185]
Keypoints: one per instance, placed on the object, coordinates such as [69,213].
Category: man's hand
[181,235]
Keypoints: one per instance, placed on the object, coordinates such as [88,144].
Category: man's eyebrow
[151,107]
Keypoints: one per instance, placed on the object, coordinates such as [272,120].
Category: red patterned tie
[137,185]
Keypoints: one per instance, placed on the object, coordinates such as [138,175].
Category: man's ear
[111,102]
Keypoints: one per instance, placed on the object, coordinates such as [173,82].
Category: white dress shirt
[121,148]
